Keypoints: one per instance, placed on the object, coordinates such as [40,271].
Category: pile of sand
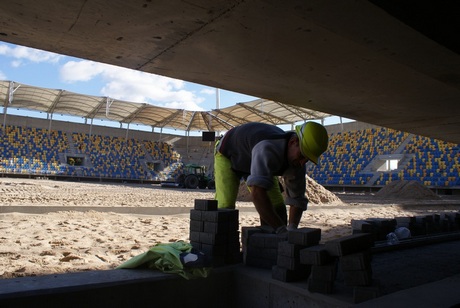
[315,193]
[406,190]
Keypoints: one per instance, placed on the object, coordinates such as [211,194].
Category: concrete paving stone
[290,250]
[214,250]
[260,252]
[324,272]
[221,215]
[196,245]
[382,226]
[357,278]
[213,239]
[266,240]
[349,244]
[315,255]
[215,227]
[287,262]
[205,205]
[195,236]
[246,233]
[196,225]
[196,215]
[356,261]
[402,222]
[361,225]
[305,236]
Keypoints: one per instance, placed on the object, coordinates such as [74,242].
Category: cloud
[74,71]
[208,91]
[22,54]
[134,86]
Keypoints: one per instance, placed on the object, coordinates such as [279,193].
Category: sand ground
[49,227]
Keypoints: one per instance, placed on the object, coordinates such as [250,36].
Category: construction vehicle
[195,176]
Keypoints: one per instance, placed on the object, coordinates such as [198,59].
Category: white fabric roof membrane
[53,101]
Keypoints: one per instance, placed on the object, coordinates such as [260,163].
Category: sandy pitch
[87,239]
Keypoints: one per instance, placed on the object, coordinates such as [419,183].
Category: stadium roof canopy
[54,101]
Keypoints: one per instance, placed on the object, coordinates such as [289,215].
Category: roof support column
[51,120]
[91,127]
[11,91]
[127,130]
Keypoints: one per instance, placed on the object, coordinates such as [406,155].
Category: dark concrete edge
[60,283]
[416,241]
[441,293]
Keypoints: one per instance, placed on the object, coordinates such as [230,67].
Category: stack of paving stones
[323,268]
[299,256]
[354,261]
[378,227]
[215,232]
[349,255]
[288,267]
[260,248]
[418,225]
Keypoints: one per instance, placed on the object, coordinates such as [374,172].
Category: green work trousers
[228,184]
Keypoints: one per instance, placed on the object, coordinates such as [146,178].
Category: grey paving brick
[196,215]
[358,278]
[290,263]
[305,236]
[221,215]
[324,272]
[266,240]
[205,205]
[356,261]
[216,227]
[315,255]
[349,244]
[196,225]
[287,249]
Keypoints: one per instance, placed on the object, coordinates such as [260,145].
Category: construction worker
[259,153]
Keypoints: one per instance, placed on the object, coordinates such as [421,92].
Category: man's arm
[295,214]
[265,208]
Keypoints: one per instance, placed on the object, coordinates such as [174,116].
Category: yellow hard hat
[313,140]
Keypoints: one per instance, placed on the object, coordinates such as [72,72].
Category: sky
[50,70]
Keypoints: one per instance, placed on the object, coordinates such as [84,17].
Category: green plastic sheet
[166,258]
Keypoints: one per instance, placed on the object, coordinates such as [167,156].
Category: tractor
[195,176]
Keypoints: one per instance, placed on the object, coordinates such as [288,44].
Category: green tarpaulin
[166,258]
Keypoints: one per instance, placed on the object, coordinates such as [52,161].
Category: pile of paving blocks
[299,256]
[350,256]
[260,249]
[215,232]
[418,225]
[354,262]
[289,267]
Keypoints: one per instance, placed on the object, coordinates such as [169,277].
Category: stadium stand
[35,151]
[360,158]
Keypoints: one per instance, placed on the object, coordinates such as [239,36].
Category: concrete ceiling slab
[352,58]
